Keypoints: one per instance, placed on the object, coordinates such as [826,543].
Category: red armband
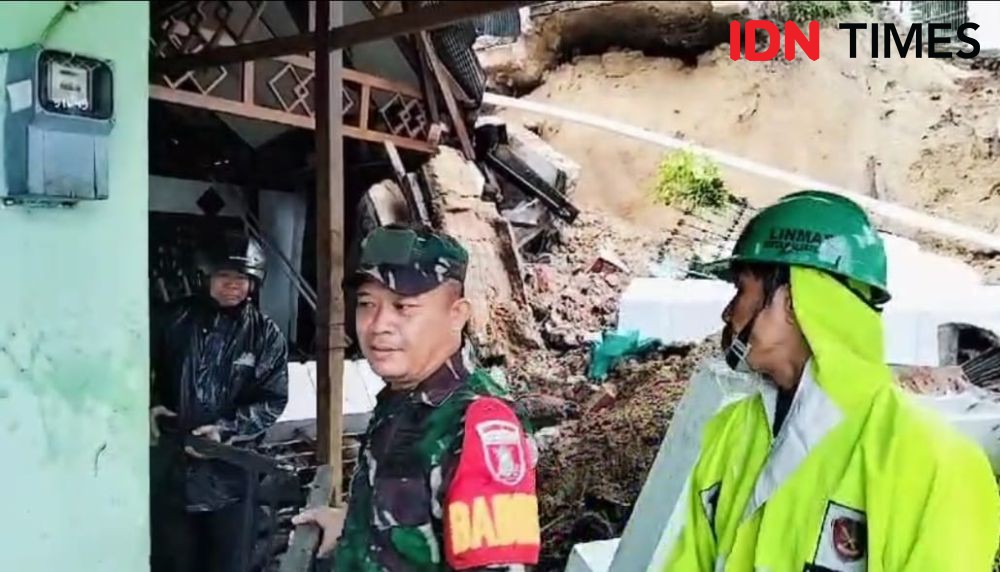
[491,511]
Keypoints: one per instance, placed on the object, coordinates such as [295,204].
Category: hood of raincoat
[845,335]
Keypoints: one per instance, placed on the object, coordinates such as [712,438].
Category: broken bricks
[608,261]
[604,397]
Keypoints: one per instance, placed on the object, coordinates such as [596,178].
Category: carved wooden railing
[277,90]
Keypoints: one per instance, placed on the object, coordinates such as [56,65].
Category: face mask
[739,349]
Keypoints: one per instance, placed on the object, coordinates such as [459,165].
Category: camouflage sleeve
[490,508]
[262,403]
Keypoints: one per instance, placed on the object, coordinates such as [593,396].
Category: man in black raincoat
[219,372]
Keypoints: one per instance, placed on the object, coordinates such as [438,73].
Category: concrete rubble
[494,283]
[534,223]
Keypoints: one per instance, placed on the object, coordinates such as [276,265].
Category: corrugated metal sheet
[453,45]
[505,24]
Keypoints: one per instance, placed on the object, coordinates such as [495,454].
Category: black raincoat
[213,366]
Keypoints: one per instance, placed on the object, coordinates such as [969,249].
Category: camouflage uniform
[397,512]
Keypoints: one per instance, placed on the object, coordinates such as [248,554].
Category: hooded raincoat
[858,477]
[226,367]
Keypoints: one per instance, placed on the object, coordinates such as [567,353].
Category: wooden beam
[381,138]
[220,105]
[449,97]
[366,103]
[249,82]
[340,37]
[355,76]
[330,199]
[252,21]
[408,184]
[306,538]
[229,106]
[425,75]
[382,83]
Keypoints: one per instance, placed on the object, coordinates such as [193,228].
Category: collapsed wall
[494,286]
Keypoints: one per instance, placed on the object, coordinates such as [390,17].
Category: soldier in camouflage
[446,471]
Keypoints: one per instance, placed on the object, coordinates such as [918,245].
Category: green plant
[801,11]
[691,181]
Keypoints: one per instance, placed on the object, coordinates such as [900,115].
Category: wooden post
[449,98]
[306,538]
[426,83]
[330,241]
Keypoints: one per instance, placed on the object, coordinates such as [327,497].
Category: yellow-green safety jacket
[858,478]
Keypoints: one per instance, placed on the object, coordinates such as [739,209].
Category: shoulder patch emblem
[503,451]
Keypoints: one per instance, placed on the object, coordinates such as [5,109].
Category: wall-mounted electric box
[57,111]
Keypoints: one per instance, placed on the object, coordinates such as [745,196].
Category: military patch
[843,542]
[503,450]
[491,511]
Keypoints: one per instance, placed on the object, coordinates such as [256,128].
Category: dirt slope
[925,122]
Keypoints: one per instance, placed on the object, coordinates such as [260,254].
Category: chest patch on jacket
[843,541]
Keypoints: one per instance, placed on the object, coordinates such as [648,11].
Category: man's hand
[207,431]
[330,521]
[154,427]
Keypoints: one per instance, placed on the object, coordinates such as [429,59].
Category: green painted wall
[73,331]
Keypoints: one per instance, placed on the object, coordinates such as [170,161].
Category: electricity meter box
[57,112]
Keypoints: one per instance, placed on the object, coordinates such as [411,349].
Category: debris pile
[594,467]
[598,438]
[574,290]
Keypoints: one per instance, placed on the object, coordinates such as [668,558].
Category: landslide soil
[922,126]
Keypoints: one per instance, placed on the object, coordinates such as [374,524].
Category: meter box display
[57,112]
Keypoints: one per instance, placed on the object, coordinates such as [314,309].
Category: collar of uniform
[442,383]
[811,416]
[438,387]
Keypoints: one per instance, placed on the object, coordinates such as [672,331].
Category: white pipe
[890,211]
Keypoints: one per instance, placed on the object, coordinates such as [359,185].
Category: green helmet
[815,229]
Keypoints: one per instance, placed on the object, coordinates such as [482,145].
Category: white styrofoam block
[975,414]
[674,311]
[361,386]
[909,268]
[301,393]
[929,290]
[592,556]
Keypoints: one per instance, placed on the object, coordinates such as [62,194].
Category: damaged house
[212,115]
[234,145]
